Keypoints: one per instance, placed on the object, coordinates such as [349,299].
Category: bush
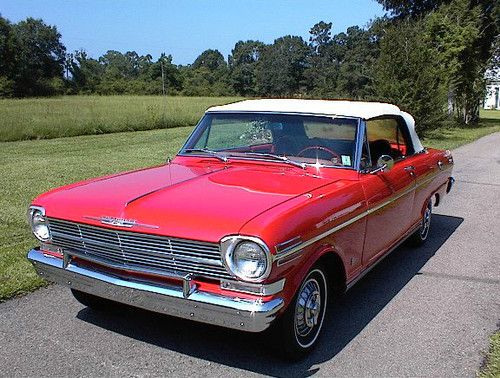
[6,87]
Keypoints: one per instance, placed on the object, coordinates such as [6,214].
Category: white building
[492,99]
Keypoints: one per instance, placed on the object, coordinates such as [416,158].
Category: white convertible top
[410,122]
[359,109]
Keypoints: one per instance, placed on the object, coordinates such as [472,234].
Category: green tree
[172,75]
[404,8]
[322,63]
[119,66]
[493,66]
[358,52]
[280,71]
[407,75]
[453,31]
[210,59]
[321,37]
[343,65]
[86,73]
[40,57]
[243,62]
[463,34]
[7,58]
[203,82]
[207,76]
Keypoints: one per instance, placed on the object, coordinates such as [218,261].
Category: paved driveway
[425,311]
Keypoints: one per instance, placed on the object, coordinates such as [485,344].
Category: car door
[426,167]
[389,194]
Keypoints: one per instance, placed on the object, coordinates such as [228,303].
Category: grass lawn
[454,137]
[492,368]
[32,167]
[46,118]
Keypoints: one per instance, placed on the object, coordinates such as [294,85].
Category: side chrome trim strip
[374,209]
[321,236]
[289,258]
[287,245]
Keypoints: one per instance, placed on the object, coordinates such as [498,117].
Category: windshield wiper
[284,159]
[207,151]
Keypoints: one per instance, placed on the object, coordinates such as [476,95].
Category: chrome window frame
[403,128]
[360,133]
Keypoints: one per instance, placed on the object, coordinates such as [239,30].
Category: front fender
[310,257]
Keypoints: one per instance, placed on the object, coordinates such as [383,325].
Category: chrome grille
[136,251]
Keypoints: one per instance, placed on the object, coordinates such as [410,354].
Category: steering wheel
[335,156]
[287,140]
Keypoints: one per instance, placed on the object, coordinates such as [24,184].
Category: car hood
[186,201]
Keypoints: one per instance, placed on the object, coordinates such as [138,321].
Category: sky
[184,28]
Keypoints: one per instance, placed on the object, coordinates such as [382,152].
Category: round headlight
[247,260]
[38,223]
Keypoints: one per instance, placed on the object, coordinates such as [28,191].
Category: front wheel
[300,326]
[420,236]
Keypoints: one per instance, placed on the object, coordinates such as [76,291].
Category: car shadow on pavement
[251,352]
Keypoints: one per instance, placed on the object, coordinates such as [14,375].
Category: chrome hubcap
[426,222]
[308,308]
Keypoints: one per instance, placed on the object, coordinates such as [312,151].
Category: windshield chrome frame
[360,138]
[360,132]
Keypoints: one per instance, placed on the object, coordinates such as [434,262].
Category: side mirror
[384,164]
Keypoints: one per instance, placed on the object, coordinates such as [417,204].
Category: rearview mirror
[384,164]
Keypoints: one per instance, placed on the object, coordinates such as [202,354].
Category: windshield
[317,140]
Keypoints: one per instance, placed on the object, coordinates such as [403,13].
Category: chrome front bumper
[236,313]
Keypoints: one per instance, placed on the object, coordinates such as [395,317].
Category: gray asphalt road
[425,312]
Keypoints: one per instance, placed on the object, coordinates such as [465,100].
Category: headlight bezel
[228,246]
[32,212]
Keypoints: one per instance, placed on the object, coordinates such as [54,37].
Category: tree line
[430,57]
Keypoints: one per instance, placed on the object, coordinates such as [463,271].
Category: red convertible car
[269,208]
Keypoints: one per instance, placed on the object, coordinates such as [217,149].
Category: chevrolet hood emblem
[121,222]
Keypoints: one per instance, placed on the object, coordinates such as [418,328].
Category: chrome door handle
[410,169]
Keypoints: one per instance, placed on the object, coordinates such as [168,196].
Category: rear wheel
[300,326]
[95,303]
[420,236]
